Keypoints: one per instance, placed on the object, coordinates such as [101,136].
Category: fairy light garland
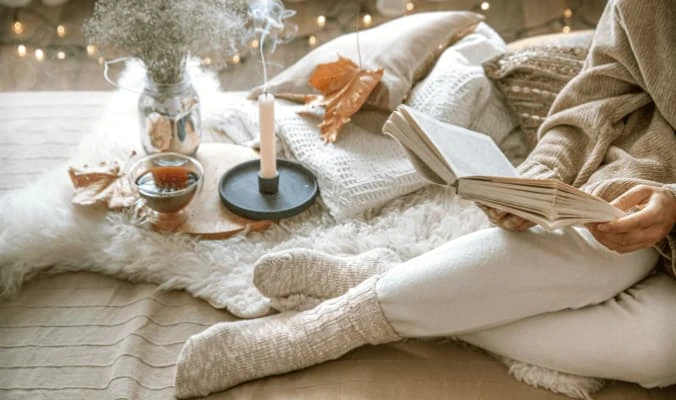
[321,21]
[562,23]
[60,31]
[27,47]
[30,45]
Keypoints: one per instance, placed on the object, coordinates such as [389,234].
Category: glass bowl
[166,183]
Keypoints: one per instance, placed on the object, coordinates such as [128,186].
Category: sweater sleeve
[588,114]
[672,188]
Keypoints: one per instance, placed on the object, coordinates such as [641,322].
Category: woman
[587,301]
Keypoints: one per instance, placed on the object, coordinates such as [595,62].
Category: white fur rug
[42,232]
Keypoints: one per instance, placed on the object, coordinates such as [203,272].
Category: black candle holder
[246,193]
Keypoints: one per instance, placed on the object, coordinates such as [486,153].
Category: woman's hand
[652,222]
[506,220]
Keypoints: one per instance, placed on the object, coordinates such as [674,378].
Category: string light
[564,22]
[100,60]
[17,27]
[321,21]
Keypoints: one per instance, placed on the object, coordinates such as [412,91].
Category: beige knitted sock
[230,353]
[310,274]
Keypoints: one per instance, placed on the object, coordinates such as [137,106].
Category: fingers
[637,195]
[636,220]
[639,229]
[652,210]
[513,223]
[630,241]
[506,220]
[492,213]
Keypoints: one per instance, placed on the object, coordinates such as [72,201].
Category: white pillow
[458,92]
[405,47]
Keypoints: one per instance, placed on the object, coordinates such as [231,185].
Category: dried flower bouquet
[162,34]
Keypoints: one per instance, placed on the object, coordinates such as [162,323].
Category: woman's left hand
[652,222]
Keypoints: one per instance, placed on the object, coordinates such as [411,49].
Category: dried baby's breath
[164,33]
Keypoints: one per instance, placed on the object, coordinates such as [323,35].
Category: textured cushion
[531,77]
[362,170]
[581,38]
[405,47]
[458,92]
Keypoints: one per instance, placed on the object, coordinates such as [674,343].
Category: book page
[548,202]
[563,196]
[428,164]
[466,152]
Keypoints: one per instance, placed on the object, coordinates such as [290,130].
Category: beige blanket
[86,336]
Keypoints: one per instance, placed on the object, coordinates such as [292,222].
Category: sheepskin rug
[42,232]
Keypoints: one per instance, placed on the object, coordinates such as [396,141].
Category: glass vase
[170,117]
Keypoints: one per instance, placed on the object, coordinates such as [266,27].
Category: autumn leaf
[103,184]
[345,87]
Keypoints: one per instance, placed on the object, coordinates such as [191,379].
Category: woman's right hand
[505,220]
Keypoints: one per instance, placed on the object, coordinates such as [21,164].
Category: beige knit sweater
[612,126]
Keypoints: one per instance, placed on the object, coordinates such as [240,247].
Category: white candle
[266,119]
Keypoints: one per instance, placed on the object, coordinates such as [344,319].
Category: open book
[471,162]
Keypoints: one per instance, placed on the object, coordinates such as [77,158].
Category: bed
[77,323]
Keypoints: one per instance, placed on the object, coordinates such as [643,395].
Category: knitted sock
[230,353]
[303,273]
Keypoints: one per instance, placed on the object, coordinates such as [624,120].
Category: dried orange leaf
[103,184]
[331,77]
[345,88]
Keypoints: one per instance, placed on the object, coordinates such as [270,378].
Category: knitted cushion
[458,92]
[405,47]
[530,78]
[581,38]
[362,170]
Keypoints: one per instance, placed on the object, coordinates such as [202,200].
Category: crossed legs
[494,289]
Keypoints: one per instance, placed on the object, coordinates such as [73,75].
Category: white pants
[559,300]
